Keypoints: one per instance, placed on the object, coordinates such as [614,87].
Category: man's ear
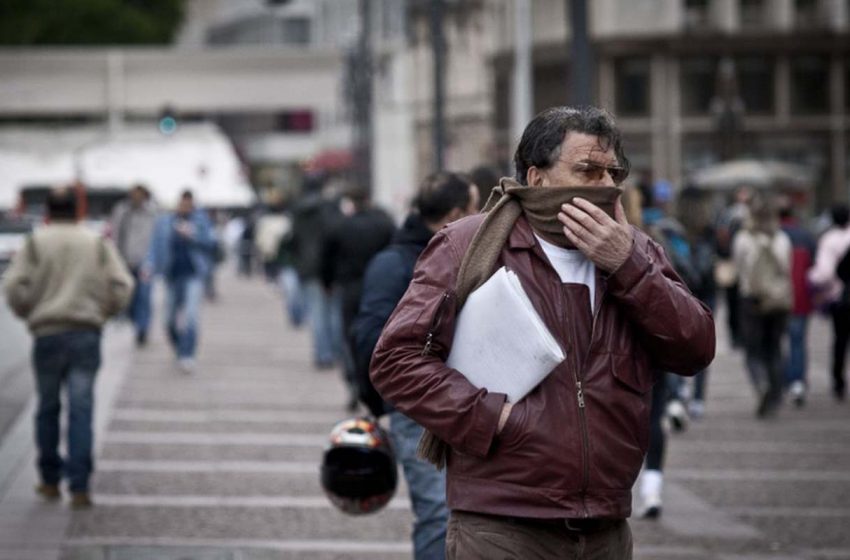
[534,177]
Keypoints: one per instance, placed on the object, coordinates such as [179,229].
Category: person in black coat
[348,247]
[442,198]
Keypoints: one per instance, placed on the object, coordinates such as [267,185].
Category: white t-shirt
[571,265]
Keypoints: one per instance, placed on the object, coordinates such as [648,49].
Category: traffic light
[167,123]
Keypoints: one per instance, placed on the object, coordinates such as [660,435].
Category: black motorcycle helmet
[359,473]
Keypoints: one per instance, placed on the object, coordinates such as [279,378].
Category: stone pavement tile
[210,452]
[731,493]
[232,551]
[215,484]
[238,523]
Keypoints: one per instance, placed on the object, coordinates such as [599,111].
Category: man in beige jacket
[65,283]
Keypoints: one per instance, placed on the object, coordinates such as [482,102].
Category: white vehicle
[197,157]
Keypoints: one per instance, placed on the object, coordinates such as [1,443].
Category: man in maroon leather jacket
[550,476]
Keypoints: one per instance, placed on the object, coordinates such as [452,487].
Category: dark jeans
[427,488]
[763,345]
[795,367]
[473,536]
[841,335]
[657,438]
[70,358]
[140,306]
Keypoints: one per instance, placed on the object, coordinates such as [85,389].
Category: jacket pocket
[632,372]
[514,427]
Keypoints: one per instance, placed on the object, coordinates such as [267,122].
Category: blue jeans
[795,367]
[427,488]
[184,306]
[72,358]
[290,287]
[140,305]
[325,323]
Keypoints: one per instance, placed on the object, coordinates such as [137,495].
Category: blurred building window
[295,121]
[810,14]
[261,30]
[753,14]
[810,85]
[696,15]
[756,84]
[632,83]
[698,78]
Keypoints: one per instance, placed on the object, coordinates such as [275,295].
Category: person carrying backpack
[832,289]
[762,254]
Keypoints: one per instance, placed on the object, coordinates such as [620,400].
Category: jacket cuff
[631,271]
[483,432]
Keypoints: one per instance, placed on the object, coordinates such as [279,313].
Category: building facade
[692,82]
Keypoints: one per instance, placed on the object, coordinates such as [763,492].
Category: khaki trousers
[473,536]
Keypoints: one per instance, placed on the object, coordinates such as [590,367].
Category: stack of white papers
[500,342]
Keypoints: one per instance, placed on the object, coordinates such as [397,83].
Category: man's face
[137,197]
[582,163]
[184,208]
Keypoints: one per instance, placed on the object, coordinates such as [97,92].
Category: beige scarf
[507,201]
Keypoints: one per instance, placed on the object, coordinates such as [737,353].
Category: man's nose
[606,180]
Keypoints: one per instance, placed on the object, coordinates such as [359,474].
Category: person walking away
[730,221]
[271,227]
[180,252]
[548,476]
[132,227]
[762,254]
[441,199]
[803,248]
[833,292]
[348,248]
[65,283]
[313,216]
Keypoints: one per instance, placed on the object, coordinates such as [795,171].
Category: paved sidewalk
[223,464]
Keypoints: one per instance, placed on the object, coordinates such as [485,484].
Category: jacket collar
[522,236]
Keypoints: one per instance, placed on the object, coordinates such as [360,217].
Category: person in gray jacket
[133,221]
[65,283]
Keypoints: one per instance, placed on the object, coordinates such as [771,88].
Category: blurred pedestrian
[218,254]
[731,219]
[802,257]
[132,226]
[762,255]
[486,178]
[554,470]
[834,294]
[313,216]
[295,304]
[245,245]
[270,229]
[180,252]
[66,282]
[349,246]
[441,199]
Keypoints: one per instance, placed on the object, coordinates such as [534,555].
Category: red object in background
[330,160]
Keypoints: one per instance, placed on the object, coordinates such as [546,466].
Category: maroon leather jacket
[573,447]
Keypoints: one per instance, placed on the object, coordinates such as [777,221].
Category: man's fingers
[576,241]
[593,210]
[579,215]
[575,224]
[620,212]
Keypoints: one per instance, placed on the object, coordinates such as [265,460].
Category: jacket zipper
[585,452]
[435,323]
[581,407]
